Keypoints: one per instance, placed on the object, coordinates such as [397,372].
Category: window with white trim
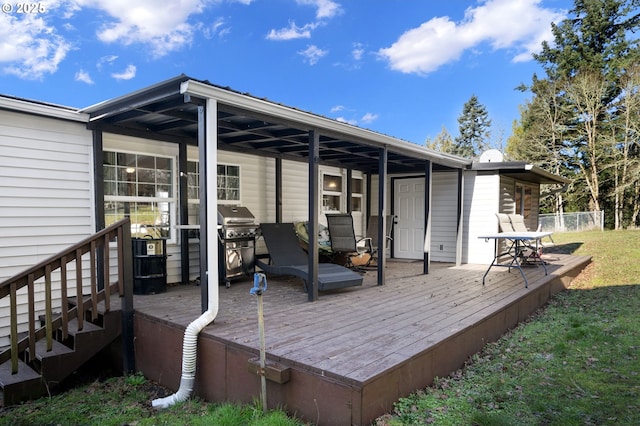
[193,196]
[140,186]
[229,183]
[357,194]
[331,193]
[228,188]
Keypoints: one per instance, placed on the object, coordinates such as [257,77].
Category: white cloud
[519,26]
[84,77]
[291,32]
[337,108]
[106,60]
[369,117]
[358,51]
[30,47]
[127,74]
[344,120]
[218,28]
[164,28]
[326,8]
[313,54]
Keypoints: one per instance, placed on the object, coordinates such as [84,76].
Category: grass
[127,400]
[575,362]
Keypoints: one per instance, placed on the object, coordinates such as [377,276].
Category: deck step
[25,384]
[57,349]
[57,364]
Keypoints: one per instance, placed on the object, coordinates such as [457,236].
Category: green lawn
[573,363]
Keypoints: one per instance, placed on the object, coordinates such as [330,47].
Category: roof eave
[39,108]
[507,167]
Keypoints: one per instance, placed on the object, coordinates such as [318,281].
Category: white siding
[295,191]
[481,203]
[46,193]
[444,214]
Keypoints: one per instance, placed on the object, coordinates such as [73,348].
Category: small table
[518,243]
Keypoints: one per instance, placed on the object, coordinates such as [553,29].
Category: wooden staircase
[57,344]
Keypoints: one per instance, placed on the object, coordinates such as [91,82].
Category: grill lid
[234,215]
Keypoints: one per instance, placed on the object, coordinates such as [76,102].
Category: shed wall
[481,203]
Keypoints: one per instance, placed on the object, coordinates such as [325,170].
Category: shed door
[408,230]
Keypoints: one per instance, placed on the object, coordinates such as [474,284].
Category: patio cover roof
[522,171]
[169,111]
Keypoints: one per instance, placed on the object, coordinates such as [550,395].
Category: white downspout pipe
[190,342]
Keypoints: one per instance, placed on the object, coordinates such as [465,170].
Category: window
[331,193]
[140,187]
[523,200]
[228,183]
[356,194]
[193,196]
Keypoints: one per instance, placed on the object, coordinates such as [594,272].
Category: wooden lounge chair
[286,257]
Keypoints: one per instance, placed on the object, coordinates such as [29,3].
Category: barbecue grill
[237,234]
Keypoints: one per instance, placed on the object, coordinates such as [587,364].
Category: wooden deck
[349,356]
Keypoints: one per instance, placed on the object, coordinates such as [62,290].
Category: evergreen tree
[474,126]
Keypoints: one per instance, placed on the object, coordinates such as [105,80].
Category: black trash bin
[149,265]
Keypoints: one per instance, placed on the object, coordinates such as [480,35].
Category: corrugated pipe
[190,342]
[189,352]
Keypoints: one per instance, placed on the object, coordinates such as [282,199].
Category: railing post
[125,262]
[13,302]
[79,293]
[32,316]
[48,315]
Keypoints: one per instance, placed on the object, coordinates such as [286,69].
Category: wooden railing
[98,245]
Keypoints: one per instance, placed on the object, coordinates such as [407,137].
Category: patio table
[518,242]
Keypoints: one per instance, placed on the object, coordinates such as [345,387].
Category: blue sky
[404,68]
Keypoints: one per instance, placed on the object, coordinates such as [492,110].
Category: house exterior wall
[444,208]
[46,196]
[481,203]
[485,195]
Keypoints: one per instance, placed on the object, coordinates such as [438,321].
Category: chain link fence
[572,222]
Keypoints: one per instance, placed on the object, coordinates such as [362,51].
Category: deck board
[366,338]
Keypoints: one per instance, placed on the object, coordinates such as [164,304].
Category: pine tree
[474,126]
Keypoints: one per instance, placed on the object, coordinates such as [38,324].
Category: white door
[408,230]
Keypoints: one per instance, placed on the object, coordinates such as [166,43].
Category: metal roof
[522,171]
[168,111]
